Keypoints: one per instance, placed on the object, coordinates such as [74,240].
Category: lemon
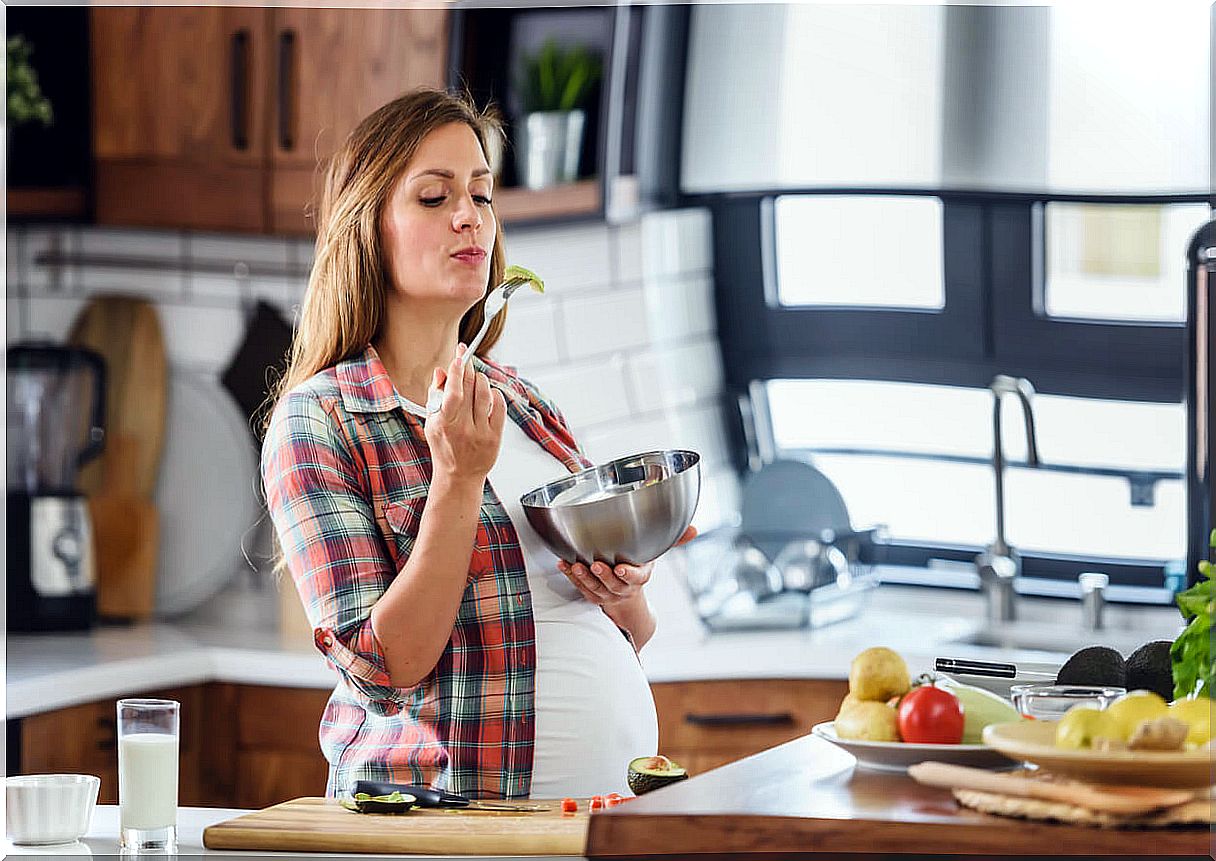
[868,721]
[878,674]
[1080,726]
[1196,713]
[1133,708]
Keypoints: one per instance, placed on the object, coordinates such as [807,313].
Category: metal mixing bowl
[630,510]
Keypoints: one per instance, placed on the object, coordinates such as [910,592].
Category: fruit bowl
[897,755]
[630,510]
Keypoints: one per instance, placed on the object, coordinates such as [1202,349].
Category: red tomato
[597,803]
[569,805]
[929,715]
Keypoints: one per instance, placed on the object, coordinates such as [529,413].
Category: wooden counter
[805,796]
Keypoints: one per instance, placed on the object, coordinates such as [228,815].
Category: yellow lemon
[1080,726]
[1131,709]
[1196,713]
[878,674]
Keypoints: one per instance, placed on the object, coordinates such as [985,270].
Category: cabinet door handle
[287,49]
[750,719]
[240,89]
[108,728]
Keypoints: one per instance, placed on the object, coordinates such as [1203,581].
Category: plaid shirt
[346,472]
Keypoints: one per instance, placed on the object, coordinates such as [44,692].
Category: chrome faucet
[999,565]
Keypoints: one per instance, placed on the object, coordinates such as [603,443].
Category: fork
[495,302]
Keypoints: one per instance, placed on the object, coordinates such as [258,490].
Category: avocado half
[648,773]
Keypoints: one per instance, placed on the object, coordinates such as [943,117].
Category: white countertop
[232,641]
[102,839]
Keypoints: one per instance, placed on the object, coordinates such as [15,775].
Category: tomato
[569,805]
[612,799]
[929,715]
[597,803]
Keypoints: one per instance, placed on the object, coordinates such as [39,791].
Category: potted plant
[552,86]
[25,100]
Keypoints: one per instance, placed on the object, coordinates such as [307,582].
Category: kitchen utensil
[322,825]
[630,510]
[49,808]
[55,421]
[1033,741]
[897,756]
[1122,800]
[495,302]
[789,500]
[260,358]
[126,332]
[1050,702]
[427,797]
[996,676]
[130,524]
[206,494]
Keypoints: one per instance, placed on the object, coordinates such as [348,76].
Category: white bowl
[49,808]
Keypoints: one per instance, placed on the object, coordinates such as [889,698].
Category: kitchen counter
[806,796]
[230,641]
[102,839]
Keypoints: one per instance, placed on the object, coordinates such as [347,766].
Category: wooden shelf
[64,202]
[572,199]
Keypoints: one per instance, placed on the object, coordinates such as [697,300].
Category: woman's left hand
[611,587]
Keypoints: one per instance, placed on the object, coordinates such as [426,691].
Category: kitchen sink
[1062,640]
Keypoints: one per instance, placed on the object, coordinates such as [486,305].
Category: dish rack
[809,583]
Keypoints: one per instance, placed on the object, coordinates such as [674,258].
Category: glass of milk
[147,774]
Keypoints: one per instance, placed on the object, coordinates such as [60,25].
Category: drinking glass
[1050,702]
[147,774]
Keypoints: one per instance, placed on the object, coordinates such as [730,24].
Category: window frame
[994,272]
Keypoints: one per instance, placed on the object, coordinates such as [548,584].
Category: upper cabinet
[216,118]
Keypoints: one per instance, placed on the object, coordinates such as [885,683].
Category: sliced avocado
[1094,665]
[528,275]
[394,802]
[647,773]
[1149,668]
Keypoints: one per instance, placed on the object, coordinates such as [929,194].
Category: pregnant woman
[470,658]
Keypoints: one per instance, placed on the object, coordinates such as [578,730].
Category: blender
[56,417]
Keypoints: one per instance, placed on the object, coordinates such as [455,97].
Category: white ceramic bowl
[49,808]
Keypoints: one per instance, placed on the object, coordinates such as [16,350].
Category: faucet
[999,565]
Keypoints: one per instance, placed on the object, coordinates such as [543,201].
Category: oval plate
[897,755]
[1034,741]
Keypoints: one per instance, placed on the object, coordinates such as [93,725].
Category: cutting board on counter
[322,825]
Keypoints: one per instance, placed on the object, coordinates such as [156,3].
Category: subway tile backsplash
[623,338]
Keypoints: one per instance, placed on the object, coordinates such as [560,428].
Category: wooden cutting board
[126,332]
[322,825]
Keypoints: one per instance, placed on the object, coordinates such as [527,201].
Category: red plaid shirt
[346,472]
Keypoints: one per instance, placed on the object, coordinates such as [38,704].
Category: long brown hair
[343,307]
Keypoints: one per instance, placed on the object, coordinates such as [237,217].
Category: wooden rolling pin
[1129,800]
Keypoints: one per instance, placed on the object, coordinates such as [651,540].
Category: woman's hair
[344,305]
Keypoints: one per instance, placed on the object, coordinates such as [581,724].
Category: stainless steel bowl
[630,510]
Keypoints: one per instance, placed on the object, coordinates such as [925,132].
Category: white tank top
[594,709]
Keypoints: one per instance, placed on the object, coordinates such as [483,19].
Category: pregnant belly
[594,709]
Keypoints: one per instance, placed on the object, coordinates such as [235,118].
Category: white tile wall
[623,340]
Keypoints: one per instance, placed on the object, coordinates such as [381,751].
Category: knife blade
[428,797]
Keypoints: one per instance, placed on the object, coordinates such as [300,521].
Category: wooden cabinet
[705,724]
[217,117]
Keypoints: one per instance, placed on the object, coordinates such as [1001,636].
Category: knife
[428,797]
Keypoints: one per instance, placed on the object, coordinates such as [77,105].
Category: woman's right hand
[465,434]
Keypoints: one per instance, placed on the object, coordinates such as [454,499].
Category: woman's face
[438,228]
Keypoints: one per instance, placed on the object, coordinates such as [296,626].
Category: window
[917,458]
[1118,261]
[826,251]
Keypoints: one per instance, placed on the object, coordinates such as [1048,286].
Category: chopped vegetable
[528,275]
[1191,654]
[394,802]
[597,803]
[612,799]
[569,805]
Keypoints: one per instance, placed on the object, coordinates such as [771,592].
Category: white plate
[206,493]
[897,756]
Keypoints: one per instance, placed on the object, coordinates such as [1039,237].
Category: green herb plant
[1191,654]
[556,78]
[25,99]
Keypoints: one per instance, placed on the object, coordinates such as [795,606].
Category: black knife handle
[426,796]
